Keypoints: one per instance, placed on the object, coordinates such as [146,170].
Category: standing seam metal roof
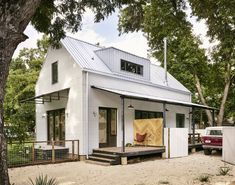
[85,55]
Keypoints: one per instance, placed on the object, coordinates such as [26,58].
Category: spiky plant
[43,180]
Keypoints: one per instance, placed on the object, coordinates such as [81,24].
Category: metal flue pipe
[165,59]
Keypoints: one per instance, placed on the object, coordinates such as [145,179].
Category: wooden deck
[133,151]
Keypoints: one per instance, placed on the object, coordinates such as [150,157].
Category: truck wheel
[207,151]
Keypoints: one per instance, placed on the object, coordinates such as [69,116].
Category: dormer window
[131,67]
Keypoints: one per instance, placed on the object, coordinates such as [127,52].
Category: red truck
[212,140]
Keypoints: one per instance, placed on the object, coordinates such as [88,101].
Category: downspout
[87,111]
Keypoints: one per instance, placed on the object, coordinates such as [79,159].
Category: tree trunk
[14,17]
[220,116]
[199,90]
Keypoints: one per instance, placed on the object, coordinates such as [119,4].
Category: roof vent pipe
[165,61]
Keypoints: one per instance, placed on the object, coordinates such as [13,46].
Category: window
[54,72]
[131,67]
[56,126]
[180,119]
[140,114]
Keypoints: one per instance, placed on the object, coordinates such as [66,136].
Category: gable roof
[85,56]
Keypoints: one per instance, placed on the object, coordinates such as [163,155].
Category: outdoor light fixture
[44,115]
[166,110]
[131,107]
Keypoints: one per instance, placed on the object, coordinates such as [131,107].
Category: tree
[24,71]
[187,61]
[48,16]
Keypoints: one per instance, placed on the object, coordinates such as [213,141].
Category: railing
[197,138]
[41,152]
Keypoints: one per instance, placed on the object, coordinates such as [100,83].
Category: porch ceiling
[142,97]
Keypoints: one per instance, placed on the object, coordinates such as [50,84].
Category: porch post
[213,117]
[164,122]
[123,123]
[193,125]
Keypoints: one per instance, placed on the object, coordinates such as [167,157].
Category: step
[104,152]
[98,163]
[105,155]
[105,160]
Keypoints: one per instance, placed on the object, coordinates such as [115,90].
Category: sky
[106,34]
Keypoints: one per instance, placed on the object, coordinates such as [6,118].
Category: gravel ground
[178,171]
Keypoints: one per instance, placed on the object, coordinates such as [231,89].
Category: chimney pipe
[165,61]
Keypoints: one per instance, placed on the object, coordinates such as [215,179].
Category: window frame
[147,112]
[177,117]
[139,69]
[54,72]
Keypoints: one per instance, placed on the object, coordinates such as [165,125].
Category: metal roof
[85,56]
[137,96]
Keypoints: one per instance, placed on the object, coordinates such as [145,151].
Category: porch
[115,156]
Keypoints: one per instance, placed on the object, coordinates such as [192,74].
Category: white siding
[69,76]
[112,58]
[98,98]
[229,145]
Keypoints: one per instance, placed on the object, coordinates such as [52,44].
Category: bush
[43,180]
[224,170]
[204,178]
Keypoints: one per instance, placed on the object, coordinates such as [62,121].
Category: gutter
[139,81]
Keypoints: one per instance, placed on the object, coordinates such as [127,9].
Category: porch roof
[47,97]
[142,97]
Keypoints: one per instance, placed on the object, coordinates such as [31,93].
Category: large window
[180,119]
[131,67]
[54,72]
[140,114]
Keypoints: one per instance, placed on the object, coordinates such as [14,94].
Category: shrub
[224,170]
[43,180]
[204,178]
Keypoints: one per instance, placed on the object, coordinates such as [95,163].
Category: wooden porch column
[123,122]
[213,117]
[164,122]
[193,125]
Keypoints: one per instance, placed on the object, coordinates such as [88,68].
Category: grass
[19,154]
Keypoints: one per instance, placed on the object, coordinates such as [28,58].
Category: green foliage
[204,178]
[19,154]
[224,170]
[54,18]
[43,180]
[186,59]
[24,71]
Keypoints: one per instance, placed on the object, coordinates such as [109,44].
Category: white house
[82,88]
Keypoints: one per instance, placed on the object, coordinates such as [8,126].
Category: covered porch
[125,96]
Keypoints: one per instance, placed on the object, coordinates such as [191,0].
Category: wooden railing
[197,138]
[39,152]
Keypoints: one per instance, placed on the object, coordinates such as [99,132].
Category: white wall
[69,76]
[176,142]
[112,58]
[98,98]
[229,145]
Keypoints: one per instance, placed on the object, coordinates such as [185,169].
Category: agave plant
[43,180]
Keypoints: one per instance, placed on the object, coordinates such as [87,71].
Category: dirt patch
[178,171]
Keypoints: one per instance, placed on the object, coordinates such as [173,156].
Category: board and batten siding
[70,76]
[99,98]
[112,58]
